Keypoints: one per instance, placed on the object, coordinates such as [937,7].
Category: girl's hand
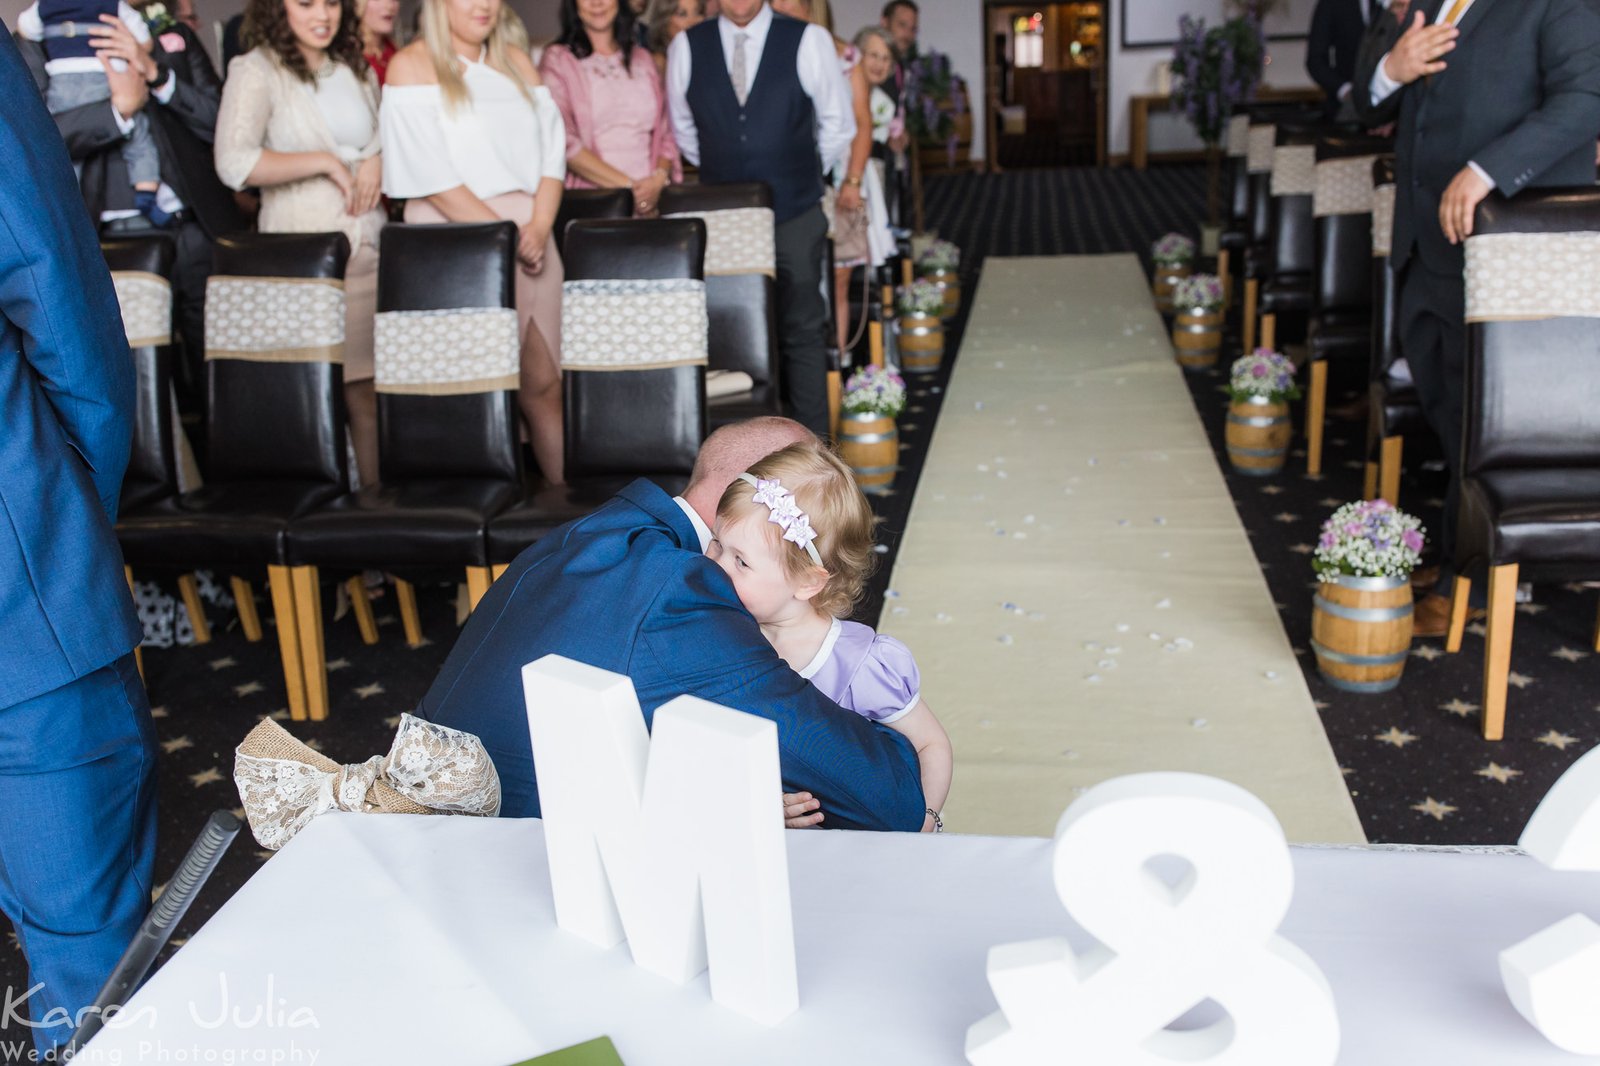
[647,193]
[850,198]
[531,241]
[367,189]
[334,169]
[801,810]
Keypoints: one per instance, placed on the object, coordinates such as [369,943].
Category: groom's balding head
[732,450]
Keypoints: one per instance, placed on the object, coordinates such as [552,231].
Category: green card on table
[598,1052]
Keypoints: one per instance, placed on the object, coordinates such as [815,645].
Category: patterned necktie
[1455,12]
[740,87]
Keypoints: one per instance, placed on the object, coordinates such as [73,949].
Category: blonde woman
[299,121]
[476,137]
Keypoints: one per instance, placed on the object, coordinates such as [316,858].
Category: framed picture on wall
[1154,23]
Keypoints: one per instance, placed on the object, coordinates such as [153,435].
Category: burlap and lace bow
[431,769]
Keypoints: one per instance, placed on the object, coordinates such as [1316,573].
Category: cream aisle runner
[1074,580]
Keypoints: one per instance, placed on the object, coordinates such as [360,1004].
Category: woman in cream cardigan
[299,121]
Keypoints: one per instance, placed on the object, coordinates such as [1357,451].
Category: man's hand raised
[1417,53]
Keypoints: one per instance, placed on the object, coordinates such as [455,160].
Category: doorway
[1045,79]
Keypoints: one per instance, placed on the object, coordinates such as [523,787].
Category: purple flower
[1412,539]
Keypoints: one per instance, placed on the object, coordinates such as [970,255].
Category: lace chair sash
[739,240]
[146,302]
[1259,147]
[1382,220]
[1294,170]
[1524,276]
[633,324]
[275,320]
[1343,187]
[1239,137]
[446,352]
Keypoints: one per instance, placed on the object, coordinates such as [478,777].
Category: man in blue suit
[628,589]
[77,747]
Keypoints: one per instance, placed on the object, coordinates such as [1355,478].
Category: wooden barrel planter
[950,285]
[1166,276]
[1361,632]
[921,344]
[870,446]
[1258,434]
[1197,338]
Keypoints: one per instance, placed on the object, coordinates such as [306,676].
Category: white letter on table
[675,844]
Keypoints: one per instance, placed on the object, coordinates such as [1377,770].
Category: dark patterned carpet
[1415,763]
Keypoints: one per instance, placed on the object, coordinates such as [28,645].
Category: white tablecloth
[433,941]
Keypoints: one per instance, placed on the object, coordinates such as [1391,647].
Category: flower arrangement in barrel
[1172,250]
[939,257]
[1263,375]
[921,297]
[1198,292]
[876,391]
[1368,538]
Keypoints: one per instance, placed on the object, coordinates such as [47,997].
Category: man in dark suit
[1490,95]
[181,94]
[629,589]
[1337,27]
[77,746]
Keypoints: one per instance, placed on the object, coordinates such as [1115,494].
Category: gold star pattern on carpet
[1302,549]
[1495,772]
[224,662]
[249,688]
[1271,490]
[1331,501]
[1433,808]
[1530,609]
[1559,741]
[208,776]
[1426,652]
[176,744]
[366,692]
[337,664]
[1460,707]
[1285,517]
[1519,680]
[1571,655]
[1399,738]
[158,712]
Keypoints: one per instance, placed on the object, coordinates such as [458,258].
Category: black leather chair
[741,292]
[274,425]
[1341,317]
[629,419]
[1285,270]
[1394,414]
[141,270]
[1530,487]
[589,203]
[448,452]
[1261,144]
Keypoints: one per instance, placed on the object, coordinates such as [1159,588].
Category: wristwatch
[852,181]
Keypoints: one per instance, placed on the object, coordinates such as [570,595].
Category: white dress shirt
[817,65]
[701,530]
[1384,86]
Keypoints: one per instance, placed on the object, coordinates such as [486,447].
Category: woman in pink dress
[613,102]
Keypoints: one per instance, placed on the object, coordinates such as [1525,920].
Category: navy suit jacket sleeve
[55,289]
[865,775]
[1569,59]
[1319,48]
[1380,38]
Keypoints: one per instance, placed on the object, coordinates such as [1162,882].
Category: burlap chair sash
[739,240]
[146,302]
[430,769]
[446,352]
[1294,170]
[1260,145]
[1523,276]
[633,324]
[275,320]
[1343,187]
[1382,220]
[1239,137]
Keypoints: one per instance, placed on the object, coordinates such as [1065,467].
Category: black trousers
[1433,336]
[803,318]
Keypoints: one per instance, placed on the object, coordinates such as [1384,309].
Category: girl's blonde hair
[826,490]
[507,35]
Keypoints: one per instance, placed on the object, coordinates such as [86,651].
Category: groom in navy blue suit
[77,747]
[628,589]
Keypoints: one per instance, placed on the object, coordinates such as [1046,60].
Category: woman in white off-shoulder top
[471,135]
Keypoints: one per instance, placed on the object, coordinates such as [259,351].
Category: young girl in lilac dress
[794,534]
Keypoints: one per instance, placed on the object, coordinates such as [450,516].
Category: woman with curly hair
[299,121]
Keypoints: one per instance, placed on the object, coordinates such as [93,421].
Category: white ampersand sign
[1163,949]
[1553,977]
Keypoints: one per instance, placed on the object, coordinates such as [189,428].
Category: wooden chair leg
[245,598]
[498,570]
[1597,631]
[197,610]
[308,612]
[1269,332]
[835,395]
[361,607]
[478,579]
[1227,279]
[138,652]
[1389,469]
[875,338]
[1497,648]
[1316,413]
[1369,482]
[1459,591]
[907,273]
[1252,292]
[405,595]
[281,588]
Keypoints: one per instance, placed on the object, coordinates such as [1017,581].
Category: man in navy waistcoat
[761,97]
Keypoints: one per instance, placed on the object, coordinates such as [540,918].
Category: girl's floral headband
[785,512]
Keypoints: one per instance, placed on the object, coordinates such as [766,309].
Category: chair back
[633,346]
[1533,331]
[1388,364]
[1260,144]
[1293,183]
[274,358]
[447,352]
[1236,179]
[740,272]
[589,203]
[141,271]
[1341,203]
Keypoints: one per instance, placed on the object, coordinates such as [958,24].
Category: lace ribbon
[1294,170]
[1383,220]
[430,769]
[1259,148]
[146,302]
[1521,276]
[1239,137]
[633,324]
[1344,187]
[275,320]
[739,240]
[446,353]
